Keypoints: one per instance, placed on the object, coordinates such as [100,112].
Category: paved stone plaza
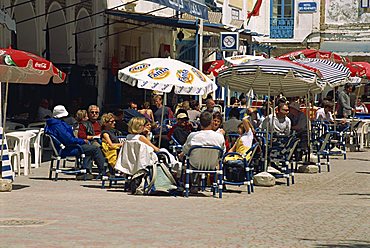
[320,210]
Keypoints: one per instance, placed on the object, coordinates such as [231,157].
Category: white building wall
[304,24]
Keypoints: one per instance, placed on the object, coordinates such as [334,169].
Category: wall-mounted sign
[229,41]
[192,7]
[307,7]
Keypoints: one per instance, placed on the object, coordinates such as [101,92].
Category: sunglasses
[94,112]
[112,121]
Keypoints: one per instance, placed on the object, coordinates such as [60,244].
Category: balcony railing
[281,28]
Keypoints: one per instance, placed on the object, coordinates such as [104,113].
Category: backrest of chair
[55,144]
[205,157]
[136,155]
[13,125]
[292,147]
[40,124]
[12,141]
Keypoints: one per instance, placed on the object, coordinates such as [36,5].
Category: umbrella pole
[334,114]
[4,124]
[161,124]
[267,128]
[308,109]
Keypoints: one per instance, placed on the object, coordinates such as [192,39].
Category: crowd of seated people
[99,136]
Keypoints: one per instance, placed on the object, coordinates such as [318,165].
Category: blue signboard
[307,7]
[191,7]
[229,41]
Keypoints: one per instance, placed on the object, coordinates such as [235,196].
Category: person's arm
[170,113]
[82,132]
[143,139]
[233,149]
[107,139]
[151,114]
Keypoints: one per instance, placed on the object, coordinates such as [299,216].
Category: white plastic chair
[22,148]
[13,126]
[40,124]
[13,153]
[37,144]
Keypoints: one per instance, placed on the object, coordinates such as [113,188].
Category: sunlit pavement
[320,210]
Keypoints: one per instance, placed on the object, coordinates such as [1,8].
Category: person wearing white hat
[57,127]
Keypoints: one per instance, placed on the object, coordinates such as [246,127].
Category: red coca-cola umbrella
[356,71]
[365,66]
[23,67]
[313,53]
[214,67]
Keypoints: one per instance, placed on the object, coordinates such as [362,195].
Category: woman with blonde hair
[110,142]
[81,115]
[136,127]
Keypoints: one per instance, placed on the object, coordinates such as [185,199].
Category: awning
[347,48]
[175,22]
[191,7]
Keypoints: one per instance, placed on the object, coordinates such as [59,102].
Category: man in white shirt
[205,137]
[280,123]
[324,113]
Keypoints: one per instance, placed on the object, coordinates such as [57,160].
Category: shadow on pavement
[355,194]
[363,172]
[359,159]
[355,244]
[19,186]
[47,179]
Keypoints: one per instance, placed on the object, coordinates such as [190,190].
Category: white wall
[345,12]
[304,23]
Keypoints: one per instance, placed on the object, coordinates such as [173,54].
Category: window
[365,4]
[282,19]
[234,14]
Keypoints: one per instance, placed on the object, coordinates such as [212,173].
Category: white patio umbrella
[271,77]
[165,74]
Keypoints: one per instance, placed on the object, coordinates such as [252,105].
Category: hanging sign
[229,41]
[191,7]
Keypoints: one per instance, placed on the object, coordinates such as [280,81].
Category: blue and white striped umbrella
[334,74]
[271,75]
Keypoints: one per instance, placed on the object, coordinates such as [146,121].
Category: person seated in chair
[136,127]
[325,113]
[205,137]
[91,129]
[181,130]
[64,133]
[245,141]
[110,142]
[279,123]
[232,124]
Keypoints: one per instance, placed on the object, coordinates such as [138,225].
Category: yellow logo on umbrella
[199,74]
[139,68]
[185,76]
[159,73]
